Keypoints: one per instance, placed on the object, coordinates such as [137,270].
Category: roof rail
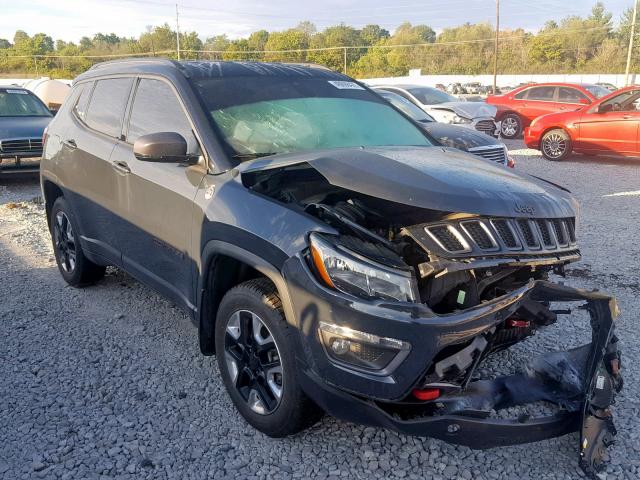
[136,60]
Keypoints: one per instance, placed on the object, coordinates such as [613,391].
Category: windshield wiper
[250,156]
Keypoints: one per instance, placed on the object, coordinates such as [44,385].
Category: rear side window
[80,108]
[522,95]
[156,108]
[541,93]
[107,105]
[570,95]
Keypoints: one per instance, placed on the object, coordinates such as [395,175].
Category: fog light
[360,349]
[340,346]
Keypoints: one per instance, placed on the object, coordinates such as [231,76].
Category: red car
[519,107]
[607,126]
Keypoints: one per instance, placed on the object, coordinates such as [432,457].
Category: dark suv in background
[334,257]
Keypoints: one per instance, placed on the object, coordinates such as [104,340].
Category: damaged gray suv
[333,255]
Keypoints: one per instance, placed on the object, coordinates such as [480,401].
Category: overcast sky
[71,19]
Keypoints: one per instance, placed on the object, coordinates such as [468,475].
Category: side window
[522,95]
[80,108]
[570,95]
[541,93]
[157,109]
[107,105]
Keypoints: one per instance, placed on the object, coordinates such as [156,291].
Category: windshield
[597,91]
[431,96]
[20,103]
[408,108]
[266,115]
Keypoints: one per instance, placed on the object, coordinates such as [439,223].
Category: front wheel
[255,350]
[511,126]
[555,145]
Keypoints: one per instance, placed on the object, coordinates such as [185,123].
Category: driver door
[159,196]
[611,132]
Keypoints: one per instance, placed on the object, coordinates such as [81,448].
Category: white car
[446,108]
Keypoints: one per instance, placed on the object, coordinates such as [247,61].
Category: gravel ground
[107,382]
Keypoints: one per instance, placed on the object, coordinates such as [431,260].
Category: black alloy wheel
[253,361]
[64,242]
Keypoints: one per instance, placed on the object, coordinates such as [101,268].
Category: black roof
[210,69]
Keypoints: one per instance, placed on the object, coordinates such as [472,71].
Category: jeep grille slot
[447,237]
[546,234]
[527,233]
[480,234]
[558,228]
[506,234]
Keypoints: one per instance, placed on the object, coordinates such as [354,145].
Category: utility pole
[345,60]
[495,49]
[177,32]
[633,31]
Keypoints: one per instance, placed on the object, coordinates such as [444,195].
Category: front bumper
[19,163]
[583,381]
[532,138]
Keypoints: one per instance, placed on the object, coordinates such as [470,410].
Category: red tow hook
[516,323]
[426,393]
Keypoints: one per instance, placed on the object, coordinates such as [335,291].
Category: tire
[511,126]
[249,354]
[76,269]
[555,145]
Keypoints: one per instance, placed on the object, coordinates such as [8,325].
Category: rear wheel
[76,269]
[555,145]
[511,126]
[255,352]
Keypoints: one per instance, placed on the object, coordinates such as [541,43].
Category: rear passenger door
[539,101]
[88,143]
[158,197]
[570,98]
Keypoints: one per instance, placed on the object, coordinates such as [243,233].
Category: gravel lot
[108,382]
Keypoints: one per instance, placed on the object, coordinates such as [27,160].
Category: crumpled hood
[23,127]
[432,178]
[467,109]
[459,137]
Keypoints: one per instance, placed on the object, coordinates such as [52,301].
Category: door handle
[70,143]
[121,167]
[626,117]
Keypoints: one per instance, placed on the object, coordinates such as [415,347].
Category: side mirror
[584,101]
[161,147]
[604,108]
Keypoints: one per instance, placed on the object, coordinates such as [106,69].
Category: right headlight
[349,272]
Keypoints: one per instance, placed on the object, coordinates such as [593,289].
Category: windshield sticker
[342,85]
[21,92]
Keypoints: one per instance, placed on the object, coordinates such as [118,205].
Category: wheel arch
[225,265]
[51,193]
[556,127]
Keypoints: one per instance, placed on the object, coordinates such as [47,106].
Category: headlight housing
[456,119]
[349,272]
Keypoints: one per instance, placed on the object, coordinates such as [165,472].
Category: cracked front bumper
[583,381]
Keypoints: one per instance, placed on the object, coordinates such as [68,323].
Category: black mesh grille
[557,228]
[546,234]
[505,233]
[527,233]
[479,235]
[446,238]
[571,229]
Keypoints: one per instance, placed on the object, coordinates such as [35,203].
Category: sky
[70,20]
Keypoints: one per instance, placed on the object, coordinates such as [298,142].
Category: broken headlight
[347,271]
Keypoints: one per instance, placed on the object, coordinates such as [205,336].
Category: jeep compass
[334,257]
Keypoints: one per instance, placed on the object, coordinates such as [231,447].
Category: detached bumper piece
[582,381]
